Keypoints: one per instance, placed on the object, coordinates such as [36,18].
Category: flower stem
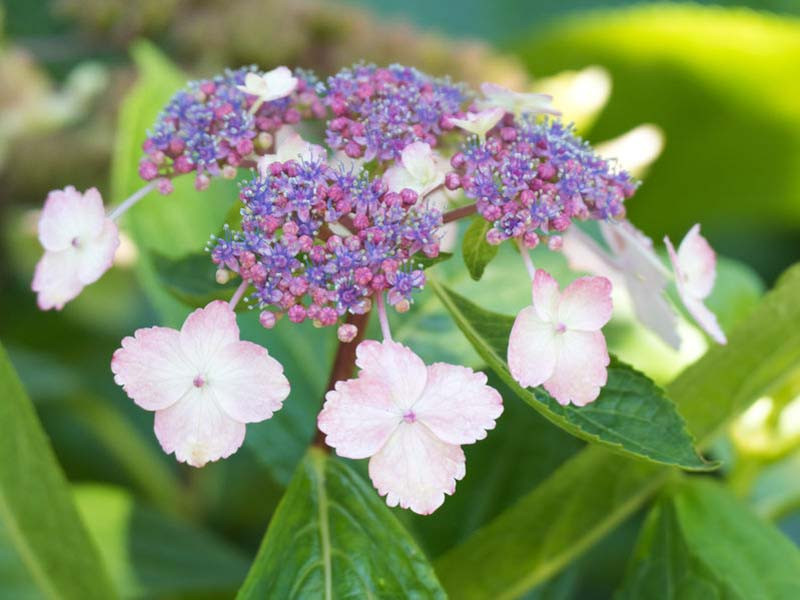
[459,213]
[383,318]
[123,206]
[344,363]
[237,295]
[526,258]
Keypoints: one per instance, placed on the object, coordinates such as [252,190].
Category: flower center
[199,381]
[561,328]
[409,417]
[76,242]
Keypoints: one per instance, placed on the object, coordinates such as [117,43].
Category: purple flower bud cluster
[379,111]
[209,128]
[532,178]
[318,242]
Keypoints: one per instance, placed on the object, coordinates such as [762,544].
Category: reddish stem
[344,364]
[459,213]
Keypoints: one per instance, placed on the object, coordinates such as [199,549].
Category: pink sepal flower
[420,169]
[290,146]
[203,383]
[695,266]
[272,85]
[631,263]
[516,103]
[79,243]
[556,342]
[481,122]
[410,420]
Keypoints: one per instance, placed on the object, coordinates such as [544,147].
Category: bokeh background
[719,82]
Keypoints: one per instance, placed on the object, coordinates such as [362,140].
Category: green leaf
[41,534]
[537,537]
[632,415]
[421,261]
[151,555]
[477,252]
[699,542]
[332,536]
[192,279]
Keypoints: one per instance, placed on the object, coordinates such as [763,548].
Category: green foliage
[632,415]
[333,537]
[720,84]
[760,351]
[191,279]
[701,542]
[44,548]
[477,252]
[131,539]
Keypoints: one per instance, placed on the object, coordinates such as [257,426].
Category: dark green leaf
[537,537]
[152,555]
[421,261]
[700,542]
[632,415]
[191,279]
[333,537]
[477,252]
[44,548]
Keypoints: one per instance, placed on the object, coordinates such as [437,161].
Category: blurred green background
[721,80]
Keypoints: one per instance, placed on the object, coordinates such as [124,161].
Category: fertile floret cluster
[318,242]
[532,178]
[379,111]
[214,125]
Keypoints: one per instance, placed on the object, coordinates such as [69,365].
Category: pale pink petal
[358,416]
[97,255]
[403,372]
[415,469]
[586,304]
[546,296]
[207,331]
[698,263]
[481,122]
[531,349]
[152,368]
[418,159]
[457,405]
[653,310]
[580,368]
[398,178]
[55,279]
[585,254]
[279,83]
[247,383]
[197,431]
[704,317]
[69,215]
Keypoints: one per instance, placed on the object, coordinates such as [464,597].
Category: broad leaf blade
[478,568]
[40,529]
[152,555]
[632,414]
[477,252]
[191,279]
[333,537]
[700,542]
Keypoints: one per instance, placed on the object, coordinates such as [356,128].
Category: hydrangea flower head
[79,242]
[380,111]
[695,266]
[225,121]
[288,250]
[531,178]
[557,342]
[203,383]
[410,420]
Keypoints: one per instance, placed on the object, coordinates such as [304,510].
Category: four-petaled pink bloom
[481,122]
[557,341]
[695,266]
[79,243]
[203,383]
[410,420]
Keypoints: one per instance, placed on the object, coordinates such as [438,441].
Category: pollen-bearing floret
[377,112]
[532,178]
[215,123]
[319,242]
